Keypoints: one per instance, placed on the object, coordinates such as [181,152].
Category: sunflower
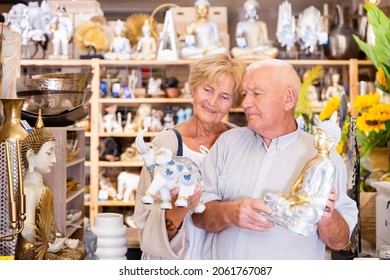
[373,122]
[330,107]
[363,102]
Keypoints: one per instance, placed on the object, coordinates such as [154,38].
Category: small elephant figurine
[168,172]
[127,184]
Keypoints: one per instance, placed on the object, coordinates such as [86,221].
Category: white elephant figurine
[168,172]
[127,184]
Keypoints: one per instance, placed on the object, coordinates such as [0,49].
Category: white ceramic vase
[112,236]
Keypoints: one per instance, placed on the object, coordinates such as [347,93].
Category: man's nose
[247,101]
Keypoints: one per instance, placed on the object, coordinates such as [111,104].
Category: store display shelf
[115,203]
[126,134]
[73,194]
[74,161]
[152,100]
[120,164]
[132,63]
[55,62]
[72,229]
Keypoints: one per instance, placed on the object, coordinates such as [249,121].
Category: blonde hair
[214,67]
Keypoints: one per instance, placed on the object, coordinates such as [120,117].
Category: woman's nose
[213,99]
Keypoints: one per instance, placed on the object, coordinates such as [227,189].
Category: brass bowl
[52,102]
[54,93]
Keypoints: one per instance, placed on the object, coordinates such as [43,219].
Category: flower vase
[111,236]
[379,158]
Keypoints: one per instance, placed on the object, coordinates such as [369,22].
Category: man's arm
[332,228]
[334,231]
[243,213]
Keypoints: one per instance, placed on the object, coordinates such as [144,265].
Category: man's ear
[291,99]
[30,155]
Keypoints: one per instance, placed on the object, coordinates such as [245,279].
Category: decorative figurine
[90,244]
[144,111]
[91,36]
[40,238]
[167,49]
[127,184]
[202,36]
[303,207]
[168,172]
[147,45]
[154,87]
[62,29]
[156,120]
[107,190]
[285,30]
[310,30]
[108,149]
[335,89]
[120,46]
[252,35]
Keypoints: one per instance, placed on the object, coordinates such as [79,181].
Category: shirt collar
[282,142]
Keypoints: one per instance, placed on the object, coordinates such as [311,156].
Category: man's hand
[246,213]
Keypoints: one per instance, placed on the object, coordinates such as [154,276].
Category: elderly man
[268,155]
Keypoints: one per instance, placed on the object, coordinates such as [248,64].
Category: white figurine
[168,172]
[127,184]
[252,35]
[120,46]
[155,123]
[285,31]
[309,28]
[335,89]
[202,36]
[147,45]
[303,207]
[62,30]
[128,126]
[154,87]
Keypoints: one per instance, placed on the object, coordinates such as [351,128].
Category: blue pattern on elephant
[168,172]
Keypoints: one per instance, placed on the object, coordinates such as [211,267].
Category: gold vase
[12,198]
[12,115]
[379,158]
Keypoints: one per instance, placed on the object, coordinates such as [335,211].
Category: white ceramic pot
[112,236]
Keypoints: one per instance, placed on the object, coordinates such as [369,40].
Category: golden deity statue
[301,208]
[40,238]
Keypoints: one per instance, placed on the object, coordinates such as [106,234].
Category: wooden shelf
[120,164]
[160,100]
[115,203]
[73,194]
[70,230]
[125,134]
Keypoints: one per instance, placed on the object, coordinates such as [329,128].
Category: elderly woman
[214,84]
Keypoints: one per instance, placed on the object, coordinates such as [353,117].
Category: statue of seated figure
[335,89]
[146,47]
[252,35]
[303,207]
[202,37]
[40,238]
[120,45]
